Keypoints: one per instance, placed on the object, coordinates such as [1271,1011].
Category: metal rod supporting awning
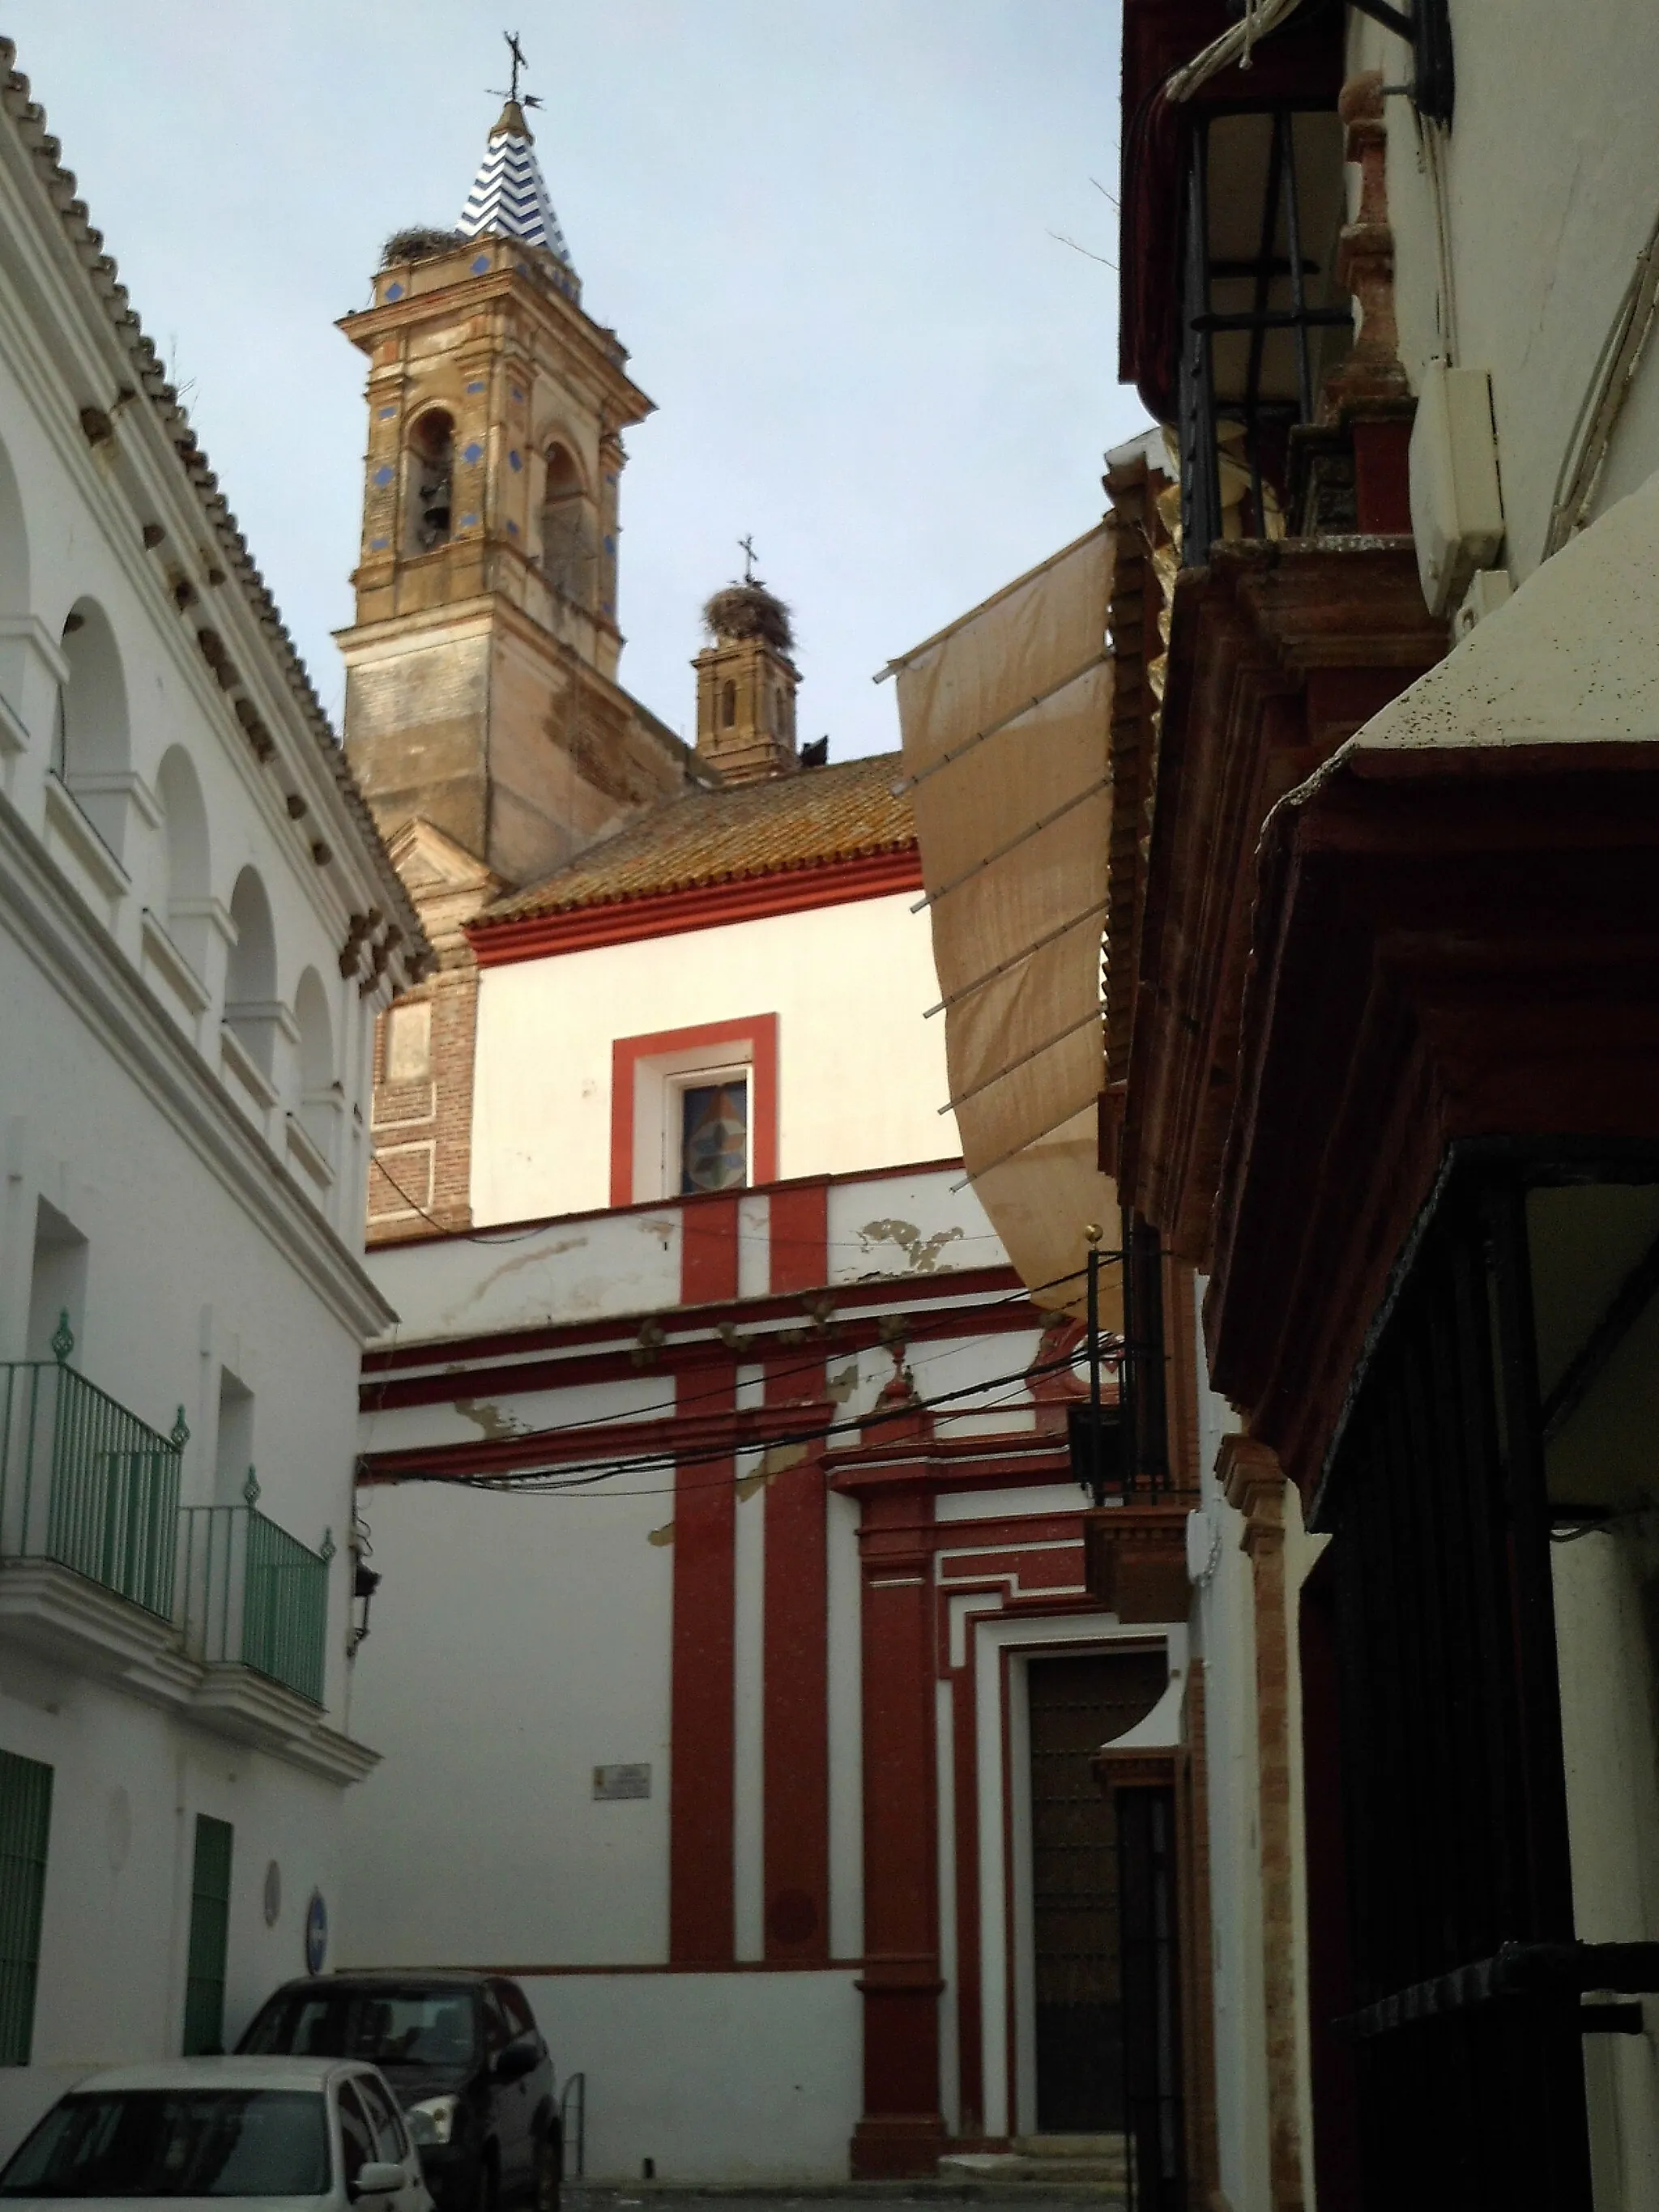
[1054,815]
[1007,722]
[1036,1053]
[1014,1150]
[1050,936]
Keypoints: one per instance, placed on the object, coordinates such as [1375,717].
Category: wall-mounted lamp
[364,1583]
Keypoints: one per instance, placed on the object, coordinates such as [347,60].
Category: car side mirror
[376,2179]
[516,2059]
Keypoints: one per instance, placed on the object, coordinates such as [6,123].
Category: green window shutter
[25,1820]
[209,1936]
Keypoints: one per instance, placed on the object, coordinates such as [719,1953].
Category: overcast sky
[821,226]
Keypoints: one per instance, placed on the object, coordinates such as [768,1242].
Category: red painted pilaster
[796,1707]
[700,1870]
[902,2131]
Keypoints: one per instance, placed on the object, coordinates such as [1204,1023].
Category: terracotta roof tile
[838,813]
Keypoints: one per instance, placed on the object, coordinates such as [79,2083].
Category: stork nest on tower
[746,611]
[418,242]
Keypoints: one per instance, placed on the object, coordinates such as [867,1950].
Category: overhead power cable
[680,1403]
[579,1473]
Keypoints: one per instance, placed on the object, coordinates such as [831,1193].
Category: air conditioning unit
[1457,509]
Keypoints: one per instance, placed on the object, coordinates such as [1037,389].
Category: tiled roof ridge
[29,118]
[543,898]
[730,876]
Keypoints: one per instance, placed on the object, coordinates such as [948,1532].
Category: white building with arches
[199,924]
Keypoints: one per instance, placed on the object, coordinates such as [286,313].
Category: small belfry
[746,682]
[481,693]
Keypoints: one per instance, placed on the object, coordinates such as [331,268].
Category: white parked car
[261,2131]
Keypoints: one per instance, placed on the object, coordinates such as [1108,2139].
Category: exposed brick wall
[423,1129]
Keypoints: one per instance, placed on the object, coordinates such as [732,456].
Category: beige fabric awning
[1006,718]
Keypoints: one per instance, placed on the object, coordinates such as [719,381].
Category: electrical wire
[582,1473]
[680,1404]
[1585,460]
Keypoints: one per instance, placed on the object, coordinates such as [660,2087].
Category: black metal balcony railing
[251,1594]
[85,1484]
[88,1485]
[1263,189]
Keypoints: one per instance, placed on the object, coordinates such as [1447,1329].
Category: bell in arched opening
[431,477]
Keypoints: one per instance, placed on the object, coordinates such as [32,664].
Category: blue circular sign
[316,1933]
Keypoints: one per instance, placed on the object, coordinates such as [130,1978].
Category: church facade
[732,1658]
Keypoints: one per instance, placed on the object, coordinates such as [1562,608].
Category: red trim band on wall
[705,906]
[757,1034]
[703,1730]
[795,1721]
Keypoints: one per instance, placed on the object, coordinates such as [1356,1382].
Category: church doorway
[1077,1701]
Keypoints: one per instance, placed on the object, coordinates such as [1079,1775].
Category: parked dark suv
[469,2065]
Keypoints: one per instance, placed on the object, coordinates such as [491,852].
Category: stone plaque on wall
[611,1782]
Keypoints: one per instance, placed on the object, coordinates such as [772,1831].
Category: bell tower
[480,688]
[746,684]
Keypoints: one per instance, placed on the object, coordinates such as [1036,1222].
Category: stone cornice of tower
[491,269]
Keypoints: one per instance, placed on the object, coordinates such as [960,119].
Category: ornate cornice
[1278,652]
[1455,947]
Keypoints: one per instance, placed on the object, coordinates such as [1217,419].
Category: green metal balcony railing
[250,1595]
[85,1484]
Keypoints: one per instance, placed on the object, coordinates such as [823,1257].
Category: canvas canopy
[1005,718]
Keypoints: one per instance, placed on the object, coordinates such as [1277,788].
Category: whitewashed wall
[1544,193]
[216,1236]
[860,1075]
[517,1644]
[678,2065]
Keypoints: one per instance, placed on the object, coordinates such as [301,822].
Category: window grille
[210,1938]
[25,1823]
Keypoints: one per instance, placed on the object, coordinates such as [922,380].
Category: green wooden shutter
[209,1935]
[25,1820]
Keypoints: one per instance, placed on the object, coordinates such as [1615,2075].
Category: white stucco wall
[517,1644]
[860,1075]
[1548,196]
[715,2077]
[1225,1637]
[127,1784]
[1602,1583]
[219,1213]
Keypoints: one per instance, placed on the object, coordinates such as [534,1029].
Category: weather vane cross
[519,64]
[747,546]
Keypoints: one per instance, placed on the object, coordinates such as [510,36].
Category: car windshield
[176,2143]
[388,2026]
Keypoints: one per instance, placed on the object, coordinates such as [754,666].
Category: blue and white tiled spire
[508,198]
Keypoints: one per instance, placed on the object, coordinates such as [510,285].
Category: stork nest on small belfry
[418,242]
[746,611]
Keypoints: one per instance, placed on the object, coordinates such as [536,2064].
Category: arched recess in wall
[187,899]
[429,480]
[320,1094]
[567,528]
[13,587]
[90,742]
[251,1011]
[728,705]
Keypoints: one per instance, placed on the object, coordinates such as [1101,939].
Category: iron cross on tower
[747,544]
[518,63]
